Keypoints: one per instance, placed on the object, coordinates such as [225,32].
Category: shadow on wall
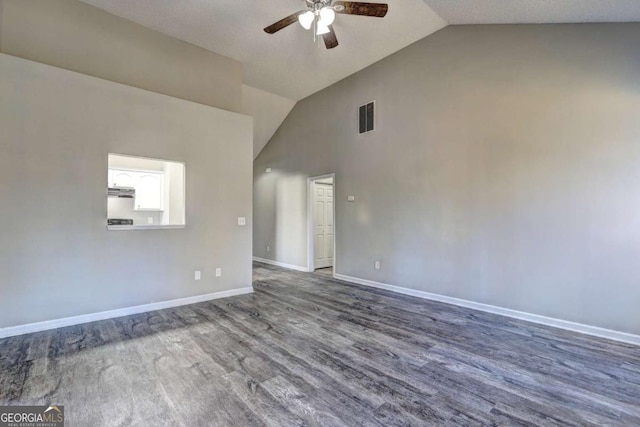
[290,224]
[281,236]
[503,169]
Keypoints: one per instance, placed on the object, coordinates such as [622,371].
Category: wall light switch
[376,265]
[150,220]
[351,198]
[268,248]
[197,275]
[242,220]
[218,272]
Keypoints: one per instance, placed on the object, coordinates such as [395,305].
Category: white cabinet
[119,178]
[149,187]
[149,192]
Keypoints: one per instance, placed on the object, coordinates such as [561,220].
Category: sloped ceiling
[535,11]
[268,111]
[283,68]
[287,63]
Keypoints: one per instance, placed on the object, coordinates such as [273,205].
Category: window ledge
[143,227]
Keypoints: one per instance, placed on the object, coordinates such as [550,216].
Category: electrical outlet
[197,275]
[150,220]
[242,220]
[351,198]
[376,265]
[218,272]
[268,170]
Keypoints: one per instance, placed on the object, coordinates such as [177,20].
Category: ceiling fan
[320,14]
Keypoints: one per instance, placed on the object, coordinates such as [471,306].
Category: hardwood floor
[308,350]
[328,272]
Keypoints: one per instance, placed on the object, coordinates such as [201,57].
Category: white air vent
[366,117]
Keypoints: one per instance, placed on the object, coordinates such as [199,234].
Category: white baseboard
[281,264]
[535,318]
[86,318]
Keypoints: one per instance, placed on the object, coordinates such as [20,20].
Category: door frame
[310,228]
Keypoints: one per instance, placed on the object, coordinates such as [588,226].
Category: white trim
[86,318]
[144,227]
[281,264]
[310,237]
[134,156]
[156,171]
[535,318]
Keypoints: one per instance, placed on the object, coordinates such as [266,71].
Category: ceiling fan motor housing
[316,5]
[323,12]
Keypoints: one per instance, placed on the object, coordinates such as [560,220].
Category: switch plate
[218,272]
[197,275]
[150,220]
[376,265]
[268,170]
[268,248]
[242,220]
[351,198]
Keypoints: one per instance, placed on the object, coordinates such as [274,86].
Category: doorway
[321,224]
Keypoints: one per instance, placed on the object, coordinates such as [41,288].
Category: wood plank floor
[306,350]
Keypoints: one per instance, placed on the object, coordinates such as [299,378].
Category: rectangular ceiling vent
[366,117]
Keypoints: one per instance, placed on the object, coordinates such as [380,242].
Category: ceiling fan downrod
[320,15]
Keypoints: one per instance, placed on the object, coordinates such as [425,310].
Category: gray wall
[57,258]
[73,35]
[268,111]
[505,169]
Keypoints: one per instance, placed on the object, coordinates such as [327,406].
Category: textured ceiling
[286,63]
[535,11]
[290,65]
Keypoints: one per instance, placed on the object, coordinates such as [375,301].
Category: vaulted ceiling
[535,11]
[287,63]
[288,66]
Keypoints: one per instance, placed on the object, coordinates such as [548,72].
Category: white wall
[127,162]
[504,169]
[124,209]
[175,174]
[57,258]
[173,210]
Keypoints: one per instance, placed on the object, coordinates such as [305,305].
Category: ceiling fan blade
[283,23]
[330,39]
[378,10]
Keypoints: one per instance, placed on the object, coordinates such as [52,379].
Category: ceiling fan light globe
[327,16]
[322,29]
[306,19]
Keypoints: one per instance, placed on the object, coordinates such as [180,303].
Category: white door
[323,225]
